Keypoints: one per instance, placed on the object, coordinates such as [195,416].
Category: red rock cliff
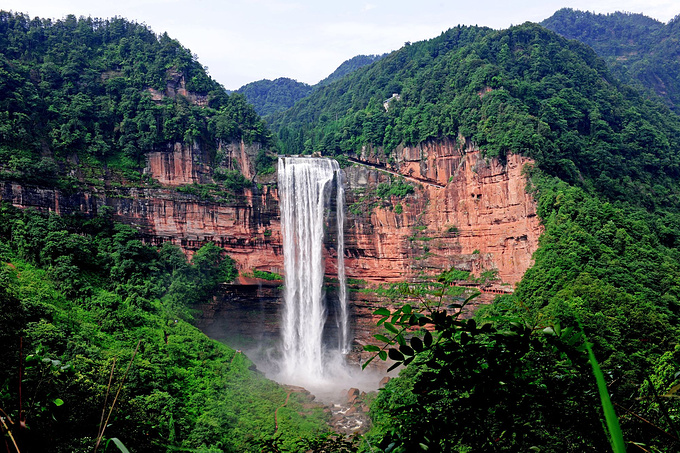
[466,212]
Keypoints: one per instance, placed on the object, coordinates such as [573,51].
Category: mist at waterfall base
[313,348]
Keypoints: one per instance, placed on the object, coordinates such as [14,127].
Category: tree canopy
[639,50]
[107,91]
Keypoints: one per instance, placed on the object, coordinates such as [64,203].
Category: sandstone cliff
[466,212]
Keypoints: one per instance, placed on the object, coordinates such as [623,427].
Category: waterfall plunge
[305,189]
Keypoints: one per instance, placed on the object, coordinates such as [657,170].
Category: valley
[510,216]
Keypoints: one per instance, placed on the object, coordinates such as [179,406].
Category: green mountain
[349,66]
[639,50]
[522,90]
[107,92]
[273,96]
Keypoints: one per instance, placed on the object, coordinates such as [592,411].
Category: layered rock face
[184,164]
[468,212]
[246,225]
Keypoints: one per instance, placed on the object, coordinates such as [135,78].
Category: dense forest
[349,66]
[639,50]
[83,89]
[592,329]
[274,96]
[104,323]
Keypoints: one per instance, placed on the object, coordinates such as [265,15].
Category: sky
[245,41]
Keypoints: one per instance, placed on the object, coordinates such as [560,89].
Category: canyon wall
[466,212]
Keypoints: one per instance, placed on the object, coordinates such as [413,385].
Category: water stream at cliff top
[305,189]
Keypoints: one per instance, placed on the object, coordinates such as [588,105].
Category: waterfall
[305,189]
[343,319]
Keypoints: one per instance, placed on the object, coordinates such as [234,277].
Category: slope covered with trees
[274,96]
[101,322]
[522,90]
[349,66]
[639,50]
[105,92]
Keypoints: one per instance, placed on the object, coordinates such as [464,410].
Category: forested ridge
[273,96]
[83,89]
[82,292]
[639,50]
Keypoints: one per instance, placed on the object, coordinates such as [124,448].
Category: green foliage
[266,275]
[232,179]
[102,90]
[272,96]
[612,265]
[265,163]
[325,443]
[269,97]
[496,386]
[453,275]
[398,188]
[81,293]
[615,267]
[611,419]
[119,445]
[636,48]
[349,66]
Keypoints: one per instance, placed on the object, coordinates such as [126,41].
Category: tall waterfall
[305,190]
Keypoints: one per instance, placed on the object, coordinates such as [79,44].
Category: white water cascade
[305,189]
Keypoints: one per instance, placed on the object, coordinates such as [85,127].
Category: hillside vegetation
[94,312]
[103,93]
[269,97]
[639,50]
[272,96]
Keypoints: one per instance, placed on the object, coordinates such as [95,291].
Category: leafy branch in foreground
[398,323]
[502,384]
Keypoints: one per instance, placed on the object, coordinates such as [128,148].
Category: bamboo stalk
[120,387]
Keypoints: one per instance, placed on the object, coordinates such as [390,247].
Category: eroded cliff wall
[466,211]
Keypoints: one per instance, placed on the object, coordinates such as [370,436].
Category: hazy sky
[244,41]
